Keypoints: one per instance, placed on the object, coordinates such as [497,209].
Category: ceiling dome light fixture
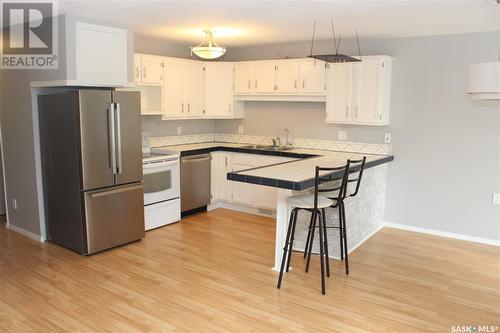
[208,49]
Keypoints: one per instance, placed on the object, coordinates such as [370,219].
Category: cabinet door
[366,101]
[137,68]
[312,77]
[214,176]
[101,54]
[243,78]
[287,77]
[173,90]
[152,69]
[264,82]
[218,90]
[243,193]
[225,186]
[193,73]
[338,95]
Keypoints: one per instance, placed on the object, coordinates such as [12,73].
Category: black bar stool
[338,195]
[316,204]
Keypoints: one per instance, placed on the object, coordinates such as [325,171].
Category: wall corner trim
[26,233]
[446,234]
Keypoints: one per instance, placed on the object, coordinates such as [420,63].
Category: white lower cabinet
[225,186]
[245,194]
[214,176]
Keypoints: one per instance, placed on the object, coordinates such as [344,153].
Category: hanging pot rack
[334,57]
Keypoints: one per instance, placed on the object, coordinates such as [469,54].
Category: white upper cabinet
[137,68]
[282,79]
[173,89]
[218,90]
[339,88]
[264,82]
[287,77]
[359,93]
[193,89]
[243,78]
[151,69]
[101,55]
[312,77]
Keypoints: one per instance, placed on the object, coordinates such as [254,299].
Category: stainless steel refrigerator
[92,168]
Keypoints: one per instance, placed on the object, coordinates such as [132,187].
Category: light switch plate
[179,130]
[496,199]
[387,138]
[240,129]
[342,135]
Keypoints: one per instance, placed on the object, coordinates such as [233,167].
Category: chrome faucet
[286,132]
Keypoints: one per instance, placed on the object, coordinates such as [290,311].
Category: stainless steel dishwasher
[195,182]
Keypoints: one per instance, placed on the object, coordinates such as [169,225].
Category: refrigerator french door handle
[112,136]
[119,167]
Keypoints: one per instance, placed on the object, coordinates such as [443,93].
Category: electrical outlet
[496,199]
[342,135]
[14,204]
[179,130]
[387,138]
[240,129]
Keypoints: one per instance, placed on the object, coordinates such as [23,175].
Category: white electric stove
[161,177]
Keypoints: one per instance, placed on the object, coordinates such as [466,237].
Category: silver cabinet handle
[189,107]
[182,107]
[226,160]
[119,165]
[112,137]
[347,111]
[256,83]
[229,108]
[295,84]
[248,84]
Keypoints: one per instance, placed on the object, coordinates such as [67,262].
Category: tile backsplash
[344,146]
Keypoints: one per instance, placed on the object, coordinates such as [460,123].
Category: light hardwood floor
[211,273]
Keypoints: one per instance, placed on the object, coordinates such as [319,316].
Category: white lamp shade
[209,52]
[484,80]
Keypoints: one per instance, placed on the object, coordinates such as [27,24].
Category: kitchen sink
[269,147]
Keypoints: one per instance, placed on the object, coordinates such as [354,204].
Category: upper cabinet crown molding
[359,93]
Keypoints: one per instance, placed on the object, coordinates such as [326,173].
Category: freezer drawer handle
[112,137]
[119,190]
[119,168]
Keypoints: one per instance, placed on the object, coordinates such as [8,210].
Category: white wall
[446,147]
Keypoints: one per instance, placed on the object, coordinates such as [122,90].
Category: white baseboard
[444,234]
[241,208]
[26,233]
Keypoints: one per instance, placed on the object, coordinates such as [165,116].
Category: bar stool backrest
[323,176]
[356,168]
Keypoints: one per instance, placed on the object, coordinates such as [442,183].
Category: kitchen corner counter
[295,175]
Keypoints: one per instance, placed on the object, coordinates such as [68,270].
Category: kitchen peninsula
[284,172]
